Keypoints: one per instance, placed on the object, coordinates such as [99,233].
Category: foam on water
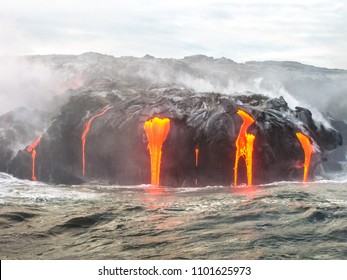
[25,191]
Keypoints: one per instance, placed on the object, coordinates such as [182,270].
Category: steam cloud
[33,81]
[28,83]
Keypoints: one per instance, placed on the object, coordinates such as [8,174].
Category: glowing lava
[32,149]
[308,150]
[244,147]
[196,162]
[84,135]
[156,130]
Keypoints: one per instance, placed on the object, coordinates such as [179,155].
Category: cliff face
[116,148]
[66,95]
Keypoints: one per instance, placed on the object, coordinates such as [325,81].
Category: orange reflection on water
[244,190]
[154,197]
[155,189]
[164,211]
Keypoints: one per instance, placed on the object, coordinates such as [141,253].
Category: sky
[308,31]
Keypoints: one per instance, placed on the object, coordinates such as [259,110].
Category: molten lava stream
[84,135]
[244,147]
[32,149]
[308,150]
[196,162]
[156,130]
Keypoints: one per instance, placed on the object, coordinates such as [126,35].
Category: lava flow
[244,147]
[32,149]
[84,135]
[196,157]
[196,162]
[308,149]
[156,130]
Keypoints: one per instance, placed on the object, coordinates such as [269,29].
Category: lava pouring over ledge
[84,135]
[196,164]
[156,130]
[32,149]
[196,157]
[308,150]
[244,147]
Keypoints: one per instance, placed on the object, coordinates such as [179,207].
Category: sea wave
[282,220]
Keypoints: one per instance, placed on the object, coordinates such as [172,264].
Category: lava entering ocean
[244,147]
[156,130]
[207,139]
[308,150]
[196,164]
[32,149]
[84,135]
[196,157]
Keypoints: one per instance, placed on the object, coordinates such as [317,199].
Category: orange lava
[308,150]
[156,130]
[32,149]
[244,147]
[196,162]
[84,135]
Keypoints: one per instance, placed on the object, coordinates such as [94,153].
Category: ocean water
[283,220]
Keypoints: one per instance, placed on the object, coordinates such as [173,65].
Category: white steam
[30,84]
[33,81]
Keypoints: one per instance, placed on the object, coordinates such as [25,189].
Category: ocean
[282,220]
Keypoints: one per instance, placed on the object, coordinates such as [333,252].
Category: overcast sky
[308,31]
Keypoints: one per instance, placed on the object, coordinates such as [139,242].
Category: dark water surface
[278,221]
